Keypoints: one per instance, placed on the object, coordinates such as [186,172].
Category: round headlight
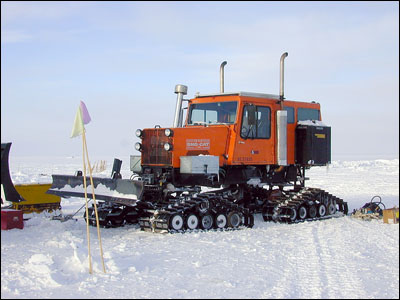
[168,132]
[167,147]
[138,146]
[139,132]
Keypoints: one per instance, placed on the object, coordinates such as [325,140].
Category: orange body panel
[257,151]
[200,140]
[254,151]
[225,141]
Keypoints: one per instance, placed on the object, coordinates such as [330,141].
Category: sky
[123,59]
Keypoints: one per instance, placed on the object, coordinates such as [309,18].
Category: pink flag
[85,114]
[81,118]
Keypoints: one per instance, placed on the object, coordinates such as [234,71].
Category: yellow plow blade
[36,199]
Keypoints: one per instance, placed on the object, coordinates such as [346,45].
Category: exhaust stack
[283,56]
[181,90]
[221,77]
[281,122]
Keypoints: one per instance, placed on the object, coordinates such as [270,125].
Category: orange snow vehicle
[253,147]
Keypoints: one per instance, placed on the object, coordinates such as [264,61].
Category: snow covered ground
[336,258]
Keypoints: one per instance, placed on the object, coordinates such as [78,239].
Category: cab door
[254,142]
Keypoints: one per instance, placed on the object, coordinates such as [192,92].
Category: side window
[290,114]
[307,114]
[263,122]
[262,127]
[248,130]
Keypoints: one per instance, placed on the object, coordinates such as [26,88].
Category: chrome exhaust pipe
[181,90]
[283,56]
[221,77]
[281,122]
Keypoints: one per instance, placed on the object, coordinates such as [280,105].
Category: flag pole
[94,201]
[86,202]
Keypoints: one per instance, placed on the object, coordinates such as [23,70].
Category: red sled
[11,218]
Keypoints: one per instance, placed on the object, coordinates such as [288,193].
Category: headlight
[167,147]
[138,146]
[168,132]
[139,132]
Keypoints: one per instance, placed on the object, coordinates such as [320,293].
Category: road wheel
[302,212]
[292,214]
[206,221]
[234,219]
[192,222]
[176,222]
[322,210]
[331,208]
[312,211]
[221,220]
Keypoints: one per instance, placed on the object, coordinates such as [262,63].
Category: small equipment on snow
[371,210]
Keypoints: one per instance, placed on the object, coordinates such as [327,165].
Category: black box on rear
[313,145]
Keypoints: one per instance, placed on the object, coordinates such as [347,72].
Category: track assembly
[219,210]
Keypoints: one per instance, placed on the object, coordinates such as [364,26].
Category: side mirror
[251,110]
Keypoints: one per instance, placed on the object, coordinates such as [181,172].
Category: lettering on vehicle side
[244,159]
[198,144]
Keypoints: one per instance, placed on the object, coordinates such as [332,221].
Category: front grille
[153,152]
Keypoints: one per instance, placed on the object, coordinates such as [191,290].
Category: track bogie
[220,210]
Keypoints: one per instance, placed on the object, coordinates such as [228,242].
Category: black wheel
[221,220]
[176,222]
[206,221]
[321,210]
[302,212]
[192,222]
[234,219]
[331,208]
[312,211]
[292,212]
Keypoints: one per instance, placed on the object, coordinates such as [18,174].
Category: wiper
[220,123]
[199,123]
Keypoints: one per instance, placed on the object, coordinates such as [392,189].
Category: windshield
[212,113]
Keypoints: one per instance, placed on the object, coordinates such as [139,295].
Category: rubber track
[159,219]
[285,208]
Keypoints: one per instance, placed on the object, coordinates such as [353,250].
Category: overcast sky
[123,59]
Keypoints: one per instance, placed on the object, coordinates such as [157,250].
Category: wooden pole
[86,201]
[94,201]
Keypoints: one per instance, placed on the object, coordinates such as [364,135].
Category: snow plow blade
[8,190]
[121,191]
[27,197]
